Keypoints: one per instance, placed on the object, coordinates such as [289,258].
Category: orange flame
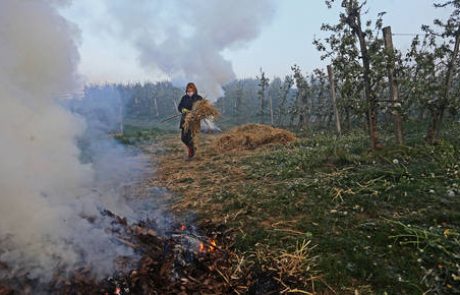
[213,246]
[203,248]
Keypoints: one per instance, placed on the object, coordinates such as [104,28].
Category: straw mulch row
[252,136]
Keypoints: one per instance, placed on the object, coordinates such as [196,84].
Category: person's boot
[191,152]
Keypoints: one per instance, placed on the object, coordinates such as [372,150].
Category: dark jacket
[187,103]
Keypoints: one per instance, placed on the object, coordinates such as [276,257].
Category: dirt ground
[195,181]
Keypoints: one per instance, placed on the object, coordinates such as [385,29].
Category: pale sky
[286,41]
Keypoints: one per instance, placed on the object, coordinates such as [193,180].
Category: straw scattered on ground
[205,186]
[215,166]
[252,136]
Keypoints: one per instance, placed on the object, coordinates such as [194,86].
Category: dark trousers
[186,137]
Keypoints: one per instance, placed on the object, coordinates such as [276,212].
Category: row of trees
[374,78]
[113,106]
[369,82]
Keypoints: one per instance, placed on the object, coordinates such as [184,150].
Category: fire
[213,246]
[203,248]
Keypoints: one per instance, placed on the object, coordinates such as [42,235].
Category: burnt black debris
[184,260]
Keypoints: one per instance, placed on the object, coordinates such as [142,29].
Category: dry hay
[202,109]
[252,136]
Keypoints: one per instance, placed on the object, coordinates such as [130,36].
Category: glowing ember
[208,247]
[213,246]
[202,248]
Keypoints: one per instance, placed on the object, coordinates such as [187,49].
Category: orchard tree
[444,61]
[274,93]
[351,40]
[321,108]
[420,83]
[263,85]
[238,99]
[347,70]
[283,99]
[300,109]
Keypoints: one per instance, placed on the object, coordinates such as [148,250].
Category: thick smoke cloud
[49,200]
[186,38]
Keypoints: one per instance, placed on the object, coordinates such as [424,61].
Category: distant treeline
[145,105]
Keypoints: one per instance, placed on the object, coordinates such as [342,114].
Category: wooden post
[330,72]
[394,89]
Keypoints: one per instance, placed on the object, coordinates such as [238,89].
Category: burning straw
[252,136]
[202,109]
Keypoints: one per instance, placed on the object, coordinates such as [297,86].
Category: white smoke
[45,190]
[185,39]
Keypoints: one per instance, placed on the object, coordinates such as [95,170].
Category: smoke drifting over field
[51,194]
[185,39]
[48,204]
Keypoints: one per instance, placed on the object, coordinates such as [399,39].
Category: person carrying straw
[185,106]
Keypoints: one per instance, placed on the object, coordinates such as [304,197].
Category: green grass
[134,135]
[386,222]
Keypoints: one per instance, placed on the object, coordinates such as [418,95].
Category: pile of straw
[202,109]
[252,136]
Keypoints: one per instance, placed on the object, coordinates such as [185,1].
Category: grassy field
[385,222]
[135,135]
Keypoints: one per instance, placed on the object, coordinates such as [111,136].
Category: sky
[286,39]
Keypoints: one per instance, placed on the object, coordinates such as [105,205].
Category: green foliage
[427,74]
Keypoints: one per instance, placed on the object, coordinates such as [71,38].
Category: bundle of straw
[202,109]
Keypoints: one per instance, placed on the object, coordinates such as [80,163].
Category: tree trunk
[394,89]
[157,111]
[354,21]
[301,121]
[372,112]
[434,128]
[347,110]
[330,72]
[261,109]
[271,111]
